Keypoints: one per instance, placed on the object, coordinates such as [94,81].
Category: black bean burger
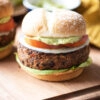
[54,46]
[7,28]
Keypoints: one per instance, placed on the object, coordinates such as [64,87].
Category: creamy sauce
[54,51]
[57,41]
[4,19]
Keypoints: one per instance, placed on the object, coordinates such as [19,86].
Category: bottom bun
[56,76]
[63,76]
[6,51]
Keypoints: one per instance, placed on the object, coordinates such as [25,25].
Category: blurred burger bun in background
[6,8]
[54,45]
[7,26]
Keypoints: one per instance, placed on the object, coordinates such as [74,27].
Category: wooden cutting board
[15,84]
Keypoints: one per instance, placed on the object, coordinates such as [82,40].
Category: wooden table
[15,84]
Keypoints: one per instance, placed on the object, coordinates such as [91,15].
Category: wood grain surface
[15,84]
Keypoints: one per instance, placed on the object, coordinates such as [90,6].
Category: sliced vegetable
[7,26]
[40,44]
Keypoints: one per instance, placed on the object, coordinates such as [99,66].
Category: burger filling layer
[7,31]
[56,43]
[6,37]
[41,60]
[46,72]
[3,48]
[53,50]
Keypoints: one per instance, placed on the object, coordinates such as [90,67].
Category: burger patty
[6,39]
[44,61]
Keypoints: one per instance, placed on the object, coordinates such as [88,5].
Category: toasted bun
[63,76]
[6,8]
[6,51]
[59,23]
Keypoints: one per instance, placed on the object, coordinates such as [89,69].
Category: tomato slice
[7,26]
[40,44]
[78,43]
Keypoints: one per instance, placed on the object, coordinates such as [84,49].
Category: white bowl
[66,4]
